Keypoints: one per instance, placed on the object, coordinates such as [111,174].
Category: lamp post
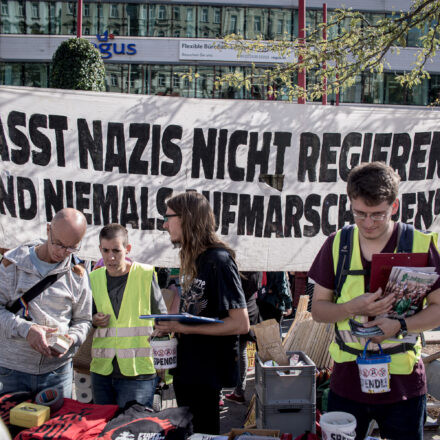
[79,19]
[301,37]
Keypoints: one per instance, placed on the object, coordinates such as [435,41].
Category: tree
[354,45]
[77,65]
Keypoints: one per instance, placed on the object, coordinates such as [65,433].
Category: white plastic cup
[164,353]
[338,425]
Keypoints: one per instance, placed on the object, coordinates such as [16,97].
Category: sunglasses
[166,217]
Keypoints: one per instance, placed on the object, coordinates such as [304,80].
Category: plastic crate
[287,384]
[293,419]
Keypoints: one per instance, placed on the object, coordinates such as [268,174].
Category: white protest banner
[118,157]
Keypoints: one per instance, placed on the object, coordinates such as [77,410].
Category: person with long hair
[211,287]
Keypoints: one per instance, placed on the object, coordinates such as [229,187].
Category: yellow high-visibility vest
[126,337]
[401,363]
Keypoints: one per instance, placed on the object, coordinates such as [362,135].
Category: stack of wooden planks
[311,337]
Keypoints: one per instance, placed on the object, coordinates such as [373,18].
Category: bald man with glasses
[28,362]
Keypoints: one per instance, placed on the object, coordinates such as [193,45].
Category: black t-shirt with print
[202,359]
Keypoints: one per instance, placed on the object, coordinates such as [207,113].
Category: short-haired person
[211,287]
[27,362]
[400,413]
[122,367]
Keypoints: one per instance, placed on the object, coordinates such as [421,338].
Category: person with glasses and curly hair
[27,360]
[373,192]
[207,354]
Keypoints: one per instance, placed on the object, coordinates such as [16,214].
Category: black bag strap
[405,237]
[401,348]
[34,291]
[345,252]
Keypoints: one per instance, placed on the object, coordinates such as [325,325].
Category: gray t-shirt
[42,267]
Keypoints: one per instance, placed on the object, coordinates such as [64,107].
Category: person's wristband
[403,327]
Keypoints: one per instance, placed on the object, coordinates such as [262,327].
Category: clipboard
[184,318]
[381,265]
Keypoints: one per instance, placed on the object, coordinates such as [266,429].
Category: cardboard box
[262,432]
[29,415]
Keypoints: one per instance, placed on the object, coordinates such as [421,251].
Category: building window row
[53,17]
[155,79]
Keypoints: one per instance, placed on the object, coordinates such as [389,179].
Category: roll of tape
[82,380]
[84,395]
[51,397]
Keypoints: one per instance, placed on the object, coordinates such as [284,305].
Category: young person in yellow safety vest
[341,294]
[122,367]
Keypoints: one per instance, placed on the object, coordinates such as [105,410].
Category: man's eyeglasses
[166,217]
[60,246]
[376,217]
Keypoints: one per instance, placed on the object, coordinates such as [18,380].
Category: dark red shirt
[345,376]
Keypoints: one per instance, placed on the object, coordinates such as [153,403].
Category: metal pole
[302,37]
[79,19]
[324,37]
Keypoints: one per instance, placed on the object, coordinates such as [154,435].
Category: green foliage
[354,45]
[77,65]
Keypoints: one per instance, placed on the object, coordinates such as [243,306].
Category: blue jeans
[13,380]
[402,420]
[110,391]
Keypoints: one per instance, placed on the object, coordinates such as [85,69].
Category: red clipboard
[381,265]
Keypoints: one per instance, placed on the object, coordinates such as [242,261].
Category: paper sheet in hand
[381,265]
[184,318]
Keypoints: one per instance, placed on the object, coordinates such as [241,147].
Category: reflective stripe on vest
[124,353]
[106,332]
[126,337]
[402,363]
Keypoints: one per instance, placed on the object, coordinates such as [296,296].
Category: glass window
[394,93]
[205,82]
[57,17]
[5,9]
[226,91]
[71,8]
[136,20]
[35,10]
[86,10]
[258,88]
[434,89]
[20,9]
[414,34]
[160,23]
[114,13]
[233,21]
[37,17]
[280,24]
[207,26]
[186,24]
[256,22]
[90,22]
[182,86]
[116,77]
[11,74]
[160,80]
[108,22]
[35,75]
[204,15]
[137,78]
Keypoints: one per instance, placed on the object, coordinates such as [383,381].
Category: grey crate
[294,419]
[286,385]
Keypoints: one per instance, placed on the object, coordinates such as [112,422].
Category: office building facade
[148,46]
